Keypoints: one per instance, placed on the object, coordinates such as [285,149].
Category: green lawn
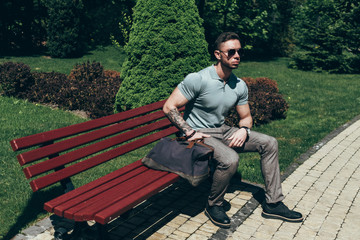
[110,57]
[319,103]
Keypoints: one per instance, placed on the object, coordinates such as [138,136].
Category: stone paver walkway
[325,188]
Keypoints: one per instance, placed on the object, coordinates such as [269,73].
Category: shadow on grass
[32,210]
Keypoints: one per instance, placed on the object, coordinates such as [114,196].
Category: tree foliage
[22,28]
[26,25]
[108,20]
[166,43]
[328,34]
[263,25]
[65,28]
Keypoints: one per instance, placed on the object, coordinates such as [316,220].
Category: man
[208,96]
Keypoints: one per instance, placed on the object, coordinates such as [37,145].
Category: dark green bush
[266,104]
[65,28]
[318,60]
[166,43]
[15,79]
[48,88]
[327,36]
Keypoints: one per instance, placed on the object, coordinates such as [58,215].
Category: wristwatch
[247,130]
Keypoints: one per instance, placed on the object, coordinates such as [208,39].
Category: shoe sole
[215,222]
[274,216]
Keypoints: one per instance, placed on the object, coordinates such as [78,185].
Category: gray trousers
[226,161]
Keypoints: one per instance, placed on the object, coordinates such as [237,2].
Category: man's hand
[238,138]
[198,136]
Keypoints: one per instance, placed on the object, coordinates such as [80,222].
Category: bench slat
[86,211]
[52,135]
[96,160]
[55,162]
[87,197]
[131,201]
[67,144]
[50,205]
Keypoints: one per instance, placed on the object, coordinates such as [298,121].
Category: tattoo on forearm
[175,117]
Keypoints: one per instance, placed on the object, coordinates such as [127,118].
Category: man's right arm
[170,108]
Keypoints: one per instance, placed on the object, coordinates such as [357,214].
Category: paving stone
[181,234]
[239,236]
[176,237]
[166,230]
[157,236]
[19,237]
[44,236]
[283,235]
[188,228]
[246,229]
[200,232]
[197,237]
[33,231]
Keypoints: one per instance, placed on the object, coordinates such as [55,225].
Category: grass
[19,206]
[319,103]
[109,56]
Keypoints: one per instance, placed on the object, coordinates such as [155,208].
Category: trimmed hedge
[91,88]
[88,87]
[167,42]
[48,88]
[15,79]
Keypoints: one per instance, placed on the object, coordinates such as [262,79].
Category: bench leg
[102,231]
[78,228]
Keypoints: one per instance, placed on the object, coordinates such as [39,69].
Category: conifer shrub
[65,28]
[15,79]
[166,43]
[265,101]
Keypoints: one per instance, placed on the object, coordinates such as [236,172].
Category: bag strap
[192,143]
[205,145]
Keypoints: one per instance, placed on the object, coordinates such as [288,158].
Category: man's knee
[273,143]
[231,161]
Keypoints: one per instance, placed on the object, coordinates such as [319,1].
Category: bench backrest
[61,149]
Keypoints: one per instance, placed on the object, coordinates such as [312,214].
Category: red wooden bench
[59,154]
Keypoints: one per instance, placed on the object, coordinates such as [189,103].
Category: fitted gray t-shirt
[210,99]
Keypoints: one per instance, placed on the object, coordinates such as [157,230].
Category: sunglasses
[232,52]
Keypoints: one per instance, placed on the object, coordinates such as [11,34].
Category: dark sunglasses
[231,52]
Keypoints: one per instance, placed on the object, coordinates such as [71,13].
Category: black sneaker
[280,211]
[217,216]
[226,205]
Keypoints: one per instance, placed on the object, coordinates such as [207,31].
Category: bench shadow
[31,212]
[180,199]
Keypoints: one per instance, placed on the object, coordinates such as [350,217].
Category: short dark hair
[223,37]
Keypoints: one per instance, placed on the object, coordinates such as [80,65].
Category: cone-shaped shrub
[166,43]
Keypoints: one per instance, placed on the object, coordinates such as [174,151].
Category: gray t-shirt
[209,98]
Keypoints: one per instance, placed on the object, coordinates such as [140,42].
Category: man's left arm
[239,137]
